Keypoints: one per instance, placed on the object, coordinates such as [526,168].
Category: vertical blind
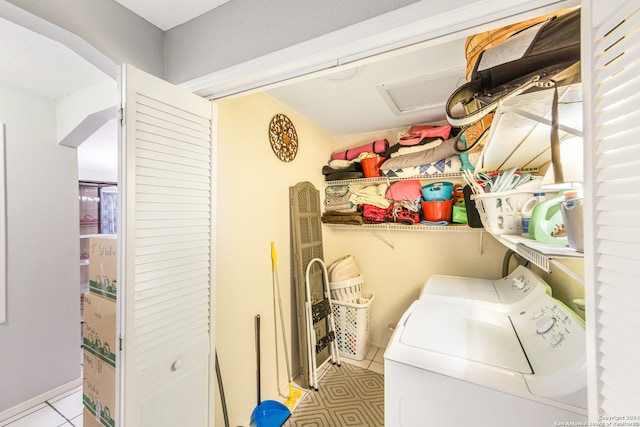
[616,213]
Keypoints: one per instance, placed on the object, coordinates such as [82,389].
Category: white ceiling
[166,14]
[41,66]
[365,98]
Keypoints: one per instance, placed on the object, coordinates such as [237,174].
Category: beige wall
[253,210]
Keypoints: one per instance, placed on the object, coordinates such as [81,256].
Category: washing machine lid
[475,334]
[464,290]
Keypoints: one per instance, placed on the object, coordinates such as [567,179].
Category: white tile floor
[63,410]
[373,361]
[66,410]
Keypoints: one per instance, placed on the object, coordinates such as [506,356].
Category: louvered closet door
[614,107]
[166,253]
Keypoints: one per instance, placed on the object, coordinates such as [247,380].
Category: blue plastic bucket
[270,413]
[437,190]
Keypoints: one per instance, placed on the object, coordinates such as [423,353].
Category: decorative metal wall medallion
[283,138]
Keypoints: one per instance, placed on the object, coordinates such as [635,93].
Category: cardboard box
[99,389]
[89,420]
[99,328]
[103,266]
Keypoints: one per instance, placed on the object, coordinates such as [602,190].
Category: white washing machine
[453,363]
[507,294]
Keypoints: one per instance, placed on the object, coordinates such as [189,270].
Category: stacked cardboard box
[99,330]
[99,390]
[102,266]
[99,335]
[89,420]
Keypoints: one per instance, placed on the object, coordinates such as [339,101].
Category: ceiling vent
[421,93]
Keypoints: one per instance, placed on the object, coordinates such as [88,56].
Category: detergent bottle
[546,224]
[527,210]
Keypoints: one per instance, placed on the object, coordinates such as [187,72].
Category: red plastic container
[371,166]
[439,210]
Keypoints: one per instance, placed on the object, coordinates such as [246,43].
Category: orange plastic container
[437,210]
[371,166]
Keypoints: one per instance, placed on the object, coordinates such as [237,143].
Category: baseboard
[24,406]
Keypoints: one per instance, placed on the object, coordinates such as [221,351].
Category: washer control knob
[544,324]
[518,282]
[556,338]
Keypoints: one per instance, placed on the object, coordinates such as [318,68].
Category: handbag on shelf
[541,56]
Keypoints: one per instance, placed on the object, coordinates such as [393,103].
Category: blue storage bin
[437,191]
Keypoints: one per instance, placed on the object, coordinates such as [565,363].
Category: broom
[294,394]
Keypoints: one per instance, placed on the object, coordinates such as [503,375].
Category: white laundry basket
[346,290]
[352,321]
[500,213]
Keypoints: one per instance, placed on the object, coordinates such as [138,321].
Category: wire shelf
[535,257]
[434,177]
[403,227]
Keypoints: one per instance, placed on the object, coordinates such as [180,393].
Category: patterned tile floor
[352,394]
[373,361]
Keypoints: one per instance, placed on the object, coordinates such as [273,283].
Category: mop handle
[258,353]
[273,256]
[277,281]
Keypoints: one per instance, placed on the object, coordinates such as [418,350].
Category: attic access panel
[429,91]
[520,132]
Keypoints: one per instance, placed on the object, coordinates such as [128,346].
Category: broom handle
[258,353]
[284,338]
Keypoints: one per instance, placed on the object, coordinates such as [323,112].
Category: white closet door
[612,117]
[165,254]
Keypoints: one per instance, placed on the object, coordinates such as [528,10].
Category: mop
[294,394]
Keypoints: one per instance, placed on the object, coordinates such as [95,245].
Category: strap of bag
[556,161]
[555,139]
[466,147]
[466,93]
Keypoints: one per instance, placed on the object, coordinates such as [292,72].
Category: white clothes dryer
[457,364]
